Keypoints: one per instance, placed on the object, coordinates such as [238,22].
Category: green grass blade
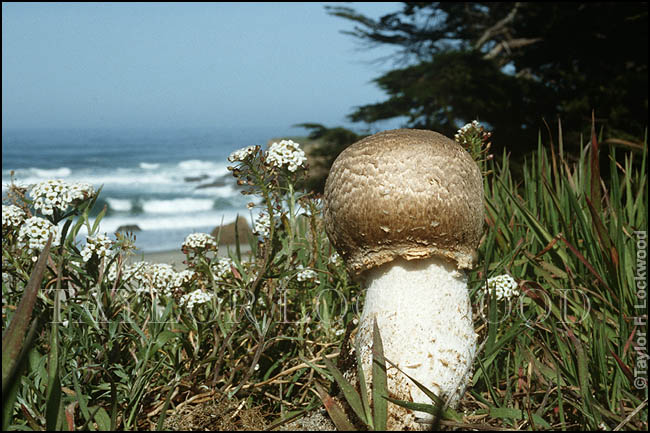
[379,382]
[13,337]
[335,412]
[363,388]
[350,394]
[436,410]
[163,412]
[517,414]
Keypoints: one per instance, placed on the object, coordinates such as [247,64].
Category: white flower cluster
[127,271]
[34,232]
[242,154]
[221,269]
[334,258]
[472,126]
[8,281]
[262,226]
[472,133]
[306,274]
[288,153]
[503,286]
[196,297]
[159,278]
[199,241]
[183,278]
[59,194]
[162,278]
[100,245]
[12,217]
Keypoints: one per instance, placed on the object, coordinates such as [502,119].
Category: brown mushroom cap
[406,193]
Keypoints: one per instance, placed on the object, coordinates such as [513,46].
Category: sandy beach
[176,257]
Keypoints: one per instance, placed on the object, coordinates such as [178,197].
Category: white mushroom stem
[424,316]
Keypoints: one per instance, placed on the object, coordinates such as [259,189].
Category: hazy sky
[115,65]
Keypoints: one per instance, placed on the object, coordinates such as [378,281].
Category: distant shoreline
[176,257]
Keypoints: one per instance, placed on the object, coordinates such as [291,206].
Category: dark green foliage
[511,65]
[329,143]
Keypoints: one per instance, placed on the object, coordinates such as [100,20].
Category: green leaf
[379,382]
[102,419]
[54,403]
[83,403]
[335,412]
[98,219]
[434,410]
[364,391]
[12,339]
[350,394]
[518,414]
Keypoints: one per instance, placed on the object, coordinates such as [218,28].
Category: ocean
[168,182]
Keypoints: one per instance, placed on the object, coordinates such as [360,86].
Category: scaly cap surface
[404,193]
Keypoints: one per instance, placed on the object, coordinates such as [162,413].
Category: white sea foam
[52,173]
[110,224]
[149,174]
[196,164]
[177,205]
[119,205]
[217,191]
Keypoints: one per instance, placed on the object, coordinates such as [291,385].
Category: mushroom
[404,209]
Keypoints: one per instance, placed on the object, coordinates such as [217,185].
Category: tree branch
[509,46]
[498,27]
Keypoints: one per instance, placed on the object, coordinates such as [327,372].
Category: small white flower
[136,274]
[472,131]
[99,245]
[183,278]
[196,297]
[242,154]
[306,275]
[34,232]
[7,280]
[163,277]
[222,269]
[502,286]
[288,153]
[199,241]
[262,226]
[159,279]
[334,258]
[57,193]
[12,217]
